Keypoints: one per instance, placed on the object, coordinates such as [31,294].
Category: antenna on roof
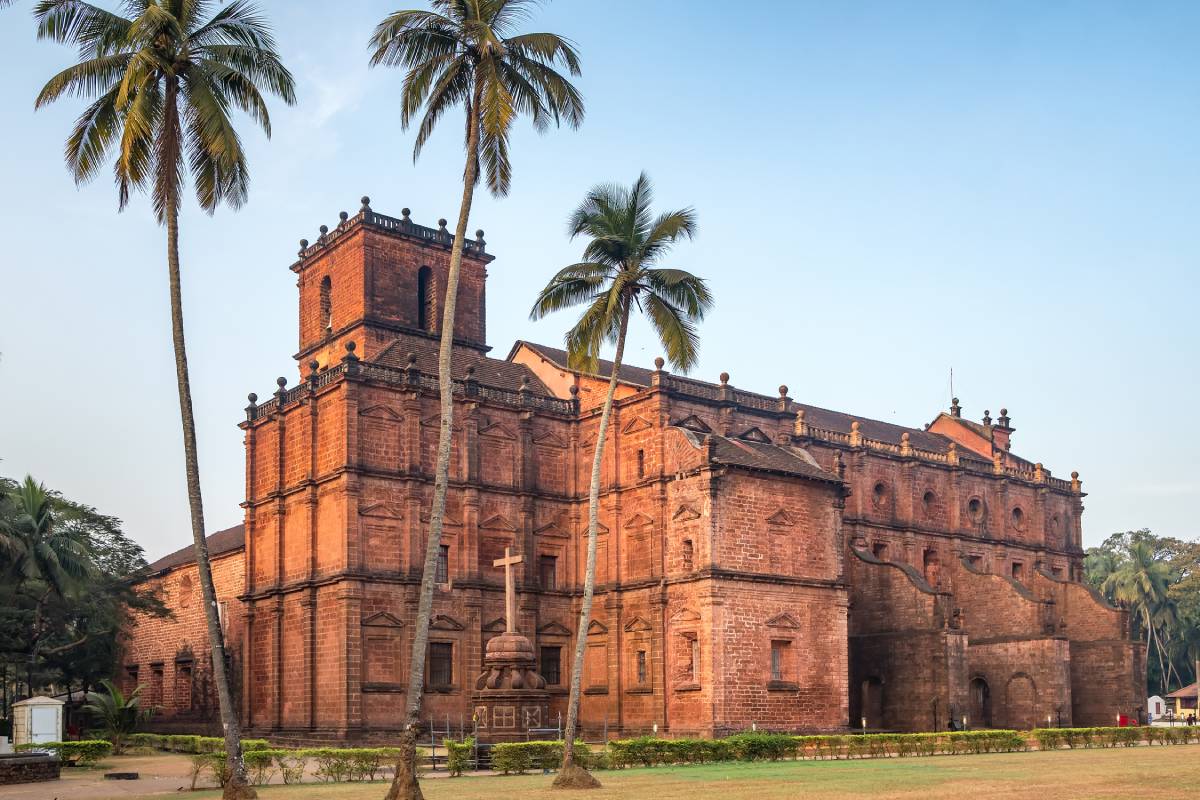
[952,383]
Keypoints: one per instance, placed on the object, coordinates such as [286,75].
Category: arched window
[426,301]
[327,303]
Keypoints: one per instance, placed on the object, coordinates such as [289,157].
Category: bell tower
[374,277]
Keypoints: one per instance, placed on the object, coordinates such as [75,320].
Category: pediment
[386,510]
[638,423]
[685,615]
[495,430]
[601,529]
[441,622]
[549,439]
[554,629]
[596,627]
[637,624]
[781,517]
[436,421]
[685,513]
[784,620]
[497,522]
[638,520]
[754,435]
[551,529]
[495,626]
[382,619]
[693,423]
[381,411]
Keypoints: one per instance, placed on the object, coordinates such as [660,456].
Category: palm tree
[465,52]
[43,561]
[118,714]
[618,273]
[166,78]
[1141,582]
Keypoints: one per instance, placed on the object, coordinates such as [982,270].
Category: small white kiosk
[37,720]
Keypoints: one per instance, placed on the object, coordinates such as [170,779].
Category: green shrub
[85,752]
[458,758]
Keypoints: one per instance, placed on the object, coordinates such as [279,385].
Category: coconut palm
[165,77]
[466,52]
[619,273]
[1141,582]
[118,714]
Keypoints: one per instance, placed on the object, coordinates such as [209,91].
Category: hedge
[518,757]
[191,743]
[87,751]
[1055,738]
[458,755]
[332,764]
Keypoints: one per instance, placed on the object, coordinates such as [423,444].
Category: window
[641,463]
[552,665]
[932,567]
[879,549]
[975,561]
[1018,518]
[548,572]
[186,591]
[1018,570]
[131,676]
[326,303]
[779,650]
[689,555]
[641,666]
[929,503]
[441,664]
[880,494]
[695,666]
[156,685]
[426,303]
[1056,571]
[975,509]
[443,564]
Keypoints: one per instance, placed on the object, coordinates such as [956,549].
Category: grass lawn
[1062,775]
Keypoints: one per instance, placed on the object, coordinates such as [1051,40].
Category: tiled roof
[219,543]
[1187,691]
[558,357]
[759,455]
[488,371]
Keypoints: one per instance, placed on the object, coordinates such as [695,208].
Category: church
[762,562]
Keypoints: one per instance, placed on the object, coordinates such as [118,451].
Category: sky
[885,191]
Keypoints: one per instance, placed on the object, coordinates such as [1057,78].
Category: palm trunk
[589,579]
[238,786]
[404,784]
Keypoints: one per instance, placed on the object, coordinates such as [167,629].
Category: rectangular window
[779,660]
[443,564]
[879,549]
[441,664]
[695,666]
[548,572]
[1018,570]
[552,665]
[641,463]
[641,666]
[689,555]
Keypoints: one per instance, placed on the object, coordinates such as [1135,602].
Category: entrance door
[981,704]
[872,702]
[43,725]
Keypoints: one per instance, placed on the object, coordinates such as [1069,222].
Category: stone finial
[952,453]
[479,242]
[955,408]
[313,366]
[1004,420]
[1039,472]
[905,444]
[324,229]
[659,362]
[253,398]
[405,215]
[350,348]
[783,390]
[574,390]
[303,247]
[470,373]
[800,426]
[281,382]
[724,378]
[366,203]
[1076,484]
[524,383]
[411,361]
[252,407]
[856,438]
[342,217]
[987,418]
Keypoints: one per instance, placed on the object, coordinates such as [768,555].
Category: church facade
[761,562]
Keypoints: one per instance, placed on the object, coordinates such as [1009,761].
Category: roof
[758,455]
[219,543]
[814,415]
[558,357]
[488,371]
[1187,691]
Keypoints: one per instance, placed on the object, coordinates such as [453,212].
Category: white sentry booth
[37,720]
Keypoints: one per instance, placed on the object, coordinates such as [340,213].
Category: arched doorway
[981,704]
[872,702]
[1020,703]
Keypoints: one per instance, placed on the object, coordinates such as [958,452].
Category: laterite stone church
[762,562]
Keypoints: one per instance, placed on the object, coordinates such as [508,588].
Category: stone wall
[28,768]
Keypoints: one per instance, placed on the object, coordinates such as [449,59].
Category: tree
[465,52]
[165,79]
[118,714]
[1141,582]
[618,273]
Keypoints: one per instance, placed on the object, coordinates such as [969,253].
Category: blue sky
[884,190]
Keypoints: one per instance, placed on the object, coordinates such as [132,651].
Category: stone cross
[510,588]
